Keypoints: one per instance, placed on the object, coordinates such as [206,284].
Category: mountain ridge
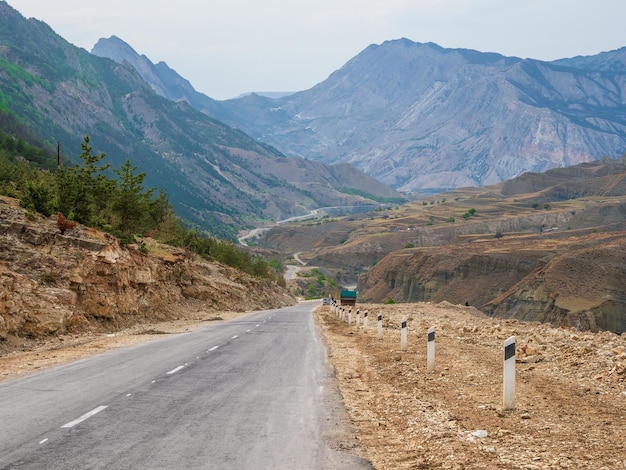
[425,119]
[422,118]
[217,177]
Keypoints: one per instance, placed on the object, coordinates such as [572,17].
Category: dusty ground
[570,401]
[570,396]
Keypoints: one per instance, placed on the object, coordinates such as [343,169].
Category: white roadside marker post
[350,316]
[403,335]
[358,318]
[509,374]
[380,325]
[430,350]
[365,314]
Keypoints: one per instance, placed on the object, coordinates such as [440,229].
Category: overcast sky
[229,47]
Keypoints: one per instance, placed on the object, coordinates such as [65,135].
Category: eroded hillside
[547,247]
[83,280]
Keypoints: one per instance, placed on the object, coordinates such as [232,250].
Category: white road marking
[234,337]
[128,394]
[71,424]
[43,441]
[213,348]
[173,371]
[248,331]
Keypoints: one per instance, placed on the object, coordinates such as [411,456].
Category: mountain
[164,80]
[421,118]
[217,177]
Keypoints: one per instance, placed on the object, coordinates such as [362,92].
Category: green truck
[347,297]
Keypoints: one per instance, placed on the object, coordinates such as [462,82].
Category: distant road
[296,256]
[252,234]
[290,273]
[251,393]
[313,214]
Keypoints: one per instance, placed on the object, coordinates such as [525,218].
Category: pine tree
[84,189]
[131,203]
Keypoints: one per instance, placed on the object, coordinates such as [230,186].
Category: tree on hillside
[84,189]
[37,193]
[131,204]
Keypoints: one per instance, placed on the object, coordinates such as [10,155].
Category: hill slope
[216,177]
[545,247]
[422,118]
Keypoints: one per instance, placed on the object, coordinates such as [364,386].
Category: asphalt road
[251,393]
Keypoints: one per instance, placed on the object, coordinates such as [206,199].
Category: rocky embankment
[84,280]
[569,401]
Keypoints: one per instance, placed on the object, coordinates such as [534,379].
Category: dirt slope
[570,396]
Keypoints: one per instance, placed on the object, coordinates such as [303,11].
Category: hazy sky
[228,47]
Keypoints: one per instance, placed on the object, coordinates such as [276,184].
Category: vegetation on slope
[114,200]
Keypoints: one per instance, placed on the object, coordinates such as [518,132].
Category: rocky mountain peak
[118,50]
[113,46]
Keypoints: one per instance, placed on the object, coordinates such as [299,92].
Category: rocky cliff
[574,281]
[84,280]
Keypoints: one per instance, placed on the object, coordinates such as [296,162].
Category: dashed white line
[234,337]
[173,371]
[43,441]
[87,415]
[213,348]
[128,394]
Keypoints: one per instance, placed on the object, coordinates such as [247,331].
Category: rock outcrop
[85,280]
